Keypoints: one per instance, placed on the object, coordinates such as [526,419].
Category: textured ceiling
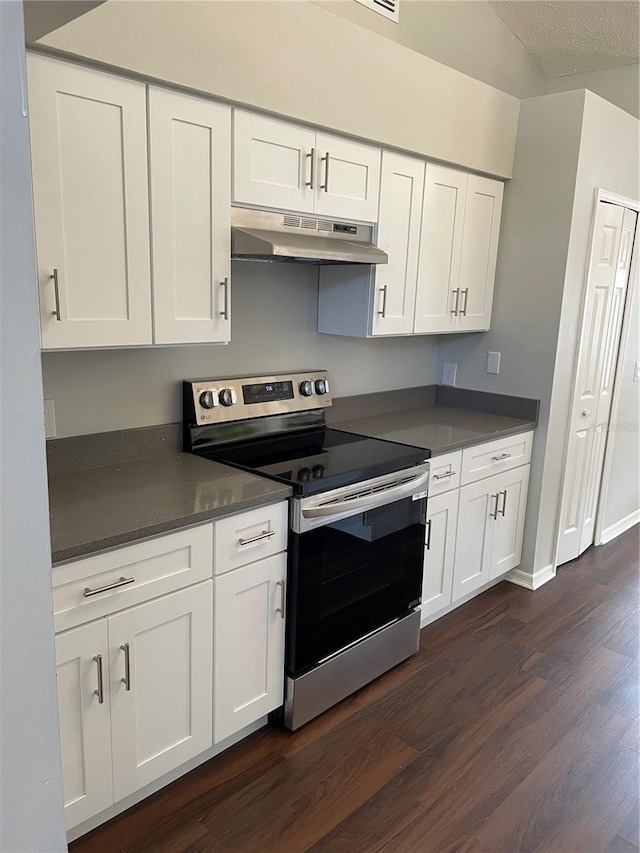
[575,36]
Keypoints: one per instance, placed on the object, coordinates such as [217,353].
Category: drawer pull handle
[122,582]
[383,311]
[325,160]
[504,503]
[501,457]
[280,609]
[225,311]
[266,534]
[127,666]
[463,310]
[56,292]
[428,543]
[494,514]
[455,306]
[312,157]
[100,691]
[444,476]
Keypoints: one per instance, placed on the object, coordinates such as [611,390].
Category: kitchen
[139,389]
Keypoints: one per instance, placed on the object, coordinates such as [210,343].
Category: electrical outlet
[49,419]
[449,373]
[636,372]
[493,362]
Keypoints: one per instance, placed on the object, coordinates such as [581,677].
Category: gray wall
[532,257]
[274,320]
[620,86]
[31,818]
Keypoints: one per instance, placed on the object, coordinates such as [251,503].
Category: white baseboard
[620,527]
[531,580]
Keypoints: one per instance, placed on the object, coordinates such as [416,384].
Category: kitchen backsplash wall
[274,314]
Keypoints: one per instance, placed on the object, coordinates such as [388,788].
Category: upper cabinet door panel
[272,162]
[347,182]
[479,252]
[89,161]
[190,167]
[438,293]
[399,235]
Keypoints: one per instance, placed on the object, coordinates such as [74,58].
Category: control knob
[207,400]
[227,397]
[306,388]
[304,475]
[318,472]
[321,386]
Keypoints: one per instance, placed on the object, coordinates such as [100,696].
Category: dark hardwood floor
[515,728]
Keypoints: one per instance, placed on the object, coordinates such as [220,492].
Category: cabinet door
[161,685]
[249,644]
[476,519]
[272,162]
[190,168]
[438,294]
[347,181]
[442,519]
[399,235]
[479,251]
[508,528]
[85,728]
[91,205]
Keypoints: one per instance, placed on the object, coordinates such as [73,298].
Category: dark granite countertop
[97,508]
[437,428]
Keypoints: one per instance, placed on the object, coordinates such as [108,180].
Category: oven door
[351,576]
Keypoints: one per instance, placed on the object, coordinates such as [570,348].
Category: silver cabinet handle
[444,476]
[225,311]
[266,534]
[383,311]
[122,582]
[100,691]
[501,457]
[56,290]
[280,609]
[325,160]
[428,543]
[494,514]
[312,157]
[455,305]
[463,310]
[504,503]
[127,666]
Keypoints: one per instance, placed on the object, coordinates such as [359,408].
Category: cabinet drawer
[493,457]
[156,566]
[248,537]
[445,473]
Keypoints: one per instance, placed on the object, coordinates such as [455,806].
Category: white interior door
[91,205]
[82,674]
[438,291]
[440,546]
[583,466]
[399,235]
[161,660]
[347,183]
[190,182]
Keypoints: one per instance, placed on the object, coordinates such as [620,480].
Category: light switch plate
[493,362]
[636,372]
[49,419]
[449,372]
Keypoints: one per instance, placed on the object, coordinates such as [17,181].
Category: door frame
[600,195]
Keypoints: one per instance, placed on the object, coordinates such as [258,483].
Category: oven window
[351,577]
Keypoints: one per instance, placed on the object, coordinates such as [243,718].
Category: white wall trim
[619,527]
[531,580]
[614,198]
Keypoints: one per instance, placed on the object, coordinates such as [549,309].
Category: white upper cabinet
[483,208]
[443,210]
[273,162]
[190,180]
[278,164]
[399,236]
[89,162]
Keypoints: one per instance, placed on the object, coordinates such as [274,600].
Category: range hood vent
[258,235]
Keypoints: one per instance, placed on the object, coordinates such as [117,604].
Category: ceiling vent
[387,8]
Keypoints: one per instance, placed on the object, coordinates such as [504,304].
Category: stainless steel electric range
[357,528]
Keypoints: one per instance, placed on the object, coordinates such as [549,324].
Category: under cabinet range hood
[260,235]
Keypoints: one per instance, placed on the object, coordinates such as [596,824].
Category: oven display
[267,391]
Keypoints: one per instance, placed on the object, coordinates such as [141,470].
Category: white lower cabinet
[442,520]
[249,622]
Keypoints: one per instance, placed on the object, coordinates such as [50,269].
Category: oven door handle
[380,498]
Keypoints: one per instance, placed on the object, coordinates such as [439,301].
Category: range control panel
[218,400]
